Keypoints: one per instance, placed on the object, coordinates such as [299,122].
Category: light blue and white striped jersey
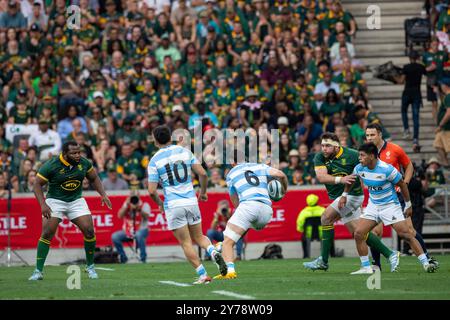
[172,166]
[249,181]
[380,181]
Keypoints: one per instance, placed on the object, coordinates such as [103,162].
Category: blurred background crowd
[133,65]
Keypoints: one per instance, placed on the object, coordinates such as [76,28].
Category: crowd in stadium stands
[133,65]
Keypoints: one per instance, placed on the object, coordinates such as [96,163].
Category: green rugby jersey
[64,181]
[342,165]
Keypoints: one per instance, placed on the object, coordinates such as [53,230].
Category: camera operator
[135,215]
[417,188]
[218,225]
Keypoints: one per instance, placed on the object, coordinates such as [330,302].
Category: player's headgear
[330,138]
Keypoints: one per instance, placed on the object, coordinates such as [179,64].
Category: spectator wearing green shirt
[130,163]
[128,134]
[433,60]
[442,140]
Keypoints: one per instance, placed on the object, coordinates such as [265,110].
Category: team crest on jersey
[344,161]
[71,185]
[388,155]
[80,167]
[61,171]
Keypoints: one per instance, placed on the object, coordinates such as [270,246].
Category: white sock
[423,259]
[365,263]
[230,266]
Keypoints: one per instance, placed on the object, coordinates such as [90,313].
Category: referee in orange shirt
[393,154]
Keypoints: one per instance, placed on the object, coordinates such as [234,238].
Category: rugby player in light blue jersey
[171,166]
[247,184]
[384,206]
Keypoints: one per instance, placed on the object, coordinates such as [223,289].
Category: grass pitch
[258,279]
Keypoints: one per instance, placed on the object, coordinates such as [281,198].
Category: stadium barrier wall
[26,220]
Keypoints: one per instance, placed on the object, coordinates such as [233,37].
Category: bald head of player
[162,136]
[374,134]
[368,155]
[71,152]
[330,145]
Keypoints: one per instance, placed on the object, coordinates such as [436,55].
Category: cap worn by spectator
[43,121]
[414,55]
[153,119]
[177,107]
[165,36]
[12,4]
[203,14]
[36,3]
[283,121]
[251,93]
[98,94]
[222,77]
[22,91]
[35,27]
[445,81]
[294,153]
[112,168]
[47,97]
[433,160]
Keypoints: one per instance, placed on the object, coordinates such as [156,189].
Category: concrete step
[388,22]
[424,117]
[388,88]
[383,33]
[381,48]
[387,8]
[399,38]
[398,61]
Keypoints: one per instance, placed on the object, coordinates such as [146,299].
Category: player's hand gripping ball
[275,189]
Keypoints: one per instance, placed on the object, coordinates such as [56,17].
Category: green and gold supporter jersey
[442,110]
[64,180]
[342,165]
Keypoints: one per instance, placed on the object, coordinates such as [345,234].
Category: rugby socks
[374,242]
[365,263]
[230,266]
[201,271]
[422,244]
[423,259]
[327,242]
[89,248]
[211,250]
[376,256]
[42,251]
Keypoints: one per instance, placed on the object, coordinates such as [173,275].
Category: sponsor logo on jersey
[71,185]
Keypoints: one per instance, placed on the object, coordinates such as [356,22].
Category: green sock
[42,251]
[327,241]
[374,242]
[89,248]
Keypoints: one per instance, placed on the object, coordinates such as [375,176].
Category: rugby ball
[275,190]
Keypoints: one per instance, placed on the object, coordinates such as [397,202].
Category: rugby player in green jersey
[64,175]
[334,167]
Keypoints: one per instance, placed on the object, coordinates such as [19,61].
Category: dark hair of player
[375,126]
[162,134]
[369,148]
[66,145]
[329,135]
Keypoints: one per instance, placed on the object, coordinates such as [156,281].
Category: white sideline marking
[234,295]
[178,284]
[106,269]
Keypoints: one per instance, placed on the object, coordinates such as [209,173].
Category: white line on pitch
[178,284]
[234,295]
[106,269]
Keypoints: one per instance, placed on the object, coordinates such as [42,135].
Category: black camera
[134,200]
[224,211]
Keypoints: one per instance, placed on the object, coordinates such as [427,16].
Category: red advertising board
[26,221]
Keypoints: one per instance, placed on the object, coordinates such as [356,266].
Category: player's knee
[324,220]
[359,235]
[89,233]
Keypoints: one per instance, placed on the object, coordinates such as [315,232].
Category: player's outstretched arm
[405,193]
[152,187]
[98,186]
[343,200]
[39,193]
[203,177]
[325,178]
[280,176]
